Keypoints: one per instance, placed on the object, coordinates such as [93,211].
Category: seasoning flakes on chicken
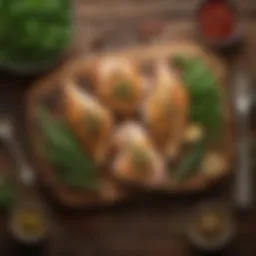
[90,121]
[140,164]
[119,85]
[166,111]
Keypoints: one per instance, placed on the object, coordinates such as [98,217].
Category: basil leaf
[205,98]
[191,161]
[74,168]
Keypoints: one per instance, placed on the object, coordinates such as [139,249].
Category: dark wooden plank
[148,229]
[104,9]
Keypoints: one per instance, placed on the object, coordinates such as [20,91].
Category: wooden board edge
[58,75]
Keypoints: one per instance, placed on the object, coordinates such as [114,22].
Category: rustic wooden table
[154,226]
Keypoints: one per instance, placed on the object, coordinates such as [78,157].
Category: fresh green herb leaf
[76,180]
[204,93]
[191,161]
[75,169]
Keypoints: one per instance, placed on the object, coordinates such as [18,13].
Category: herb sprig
[75,168]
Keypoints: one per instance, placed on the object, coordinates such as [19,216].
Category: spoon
[26,175]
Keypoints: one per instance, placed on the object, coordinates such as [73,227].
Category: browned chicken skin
[90,121]
[119,85]
[166,110]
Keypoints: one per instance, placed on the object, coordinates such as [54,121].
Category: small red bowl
[232,38]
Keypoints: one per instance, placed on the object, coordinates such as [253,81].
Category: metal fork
[25,174]
[243,103]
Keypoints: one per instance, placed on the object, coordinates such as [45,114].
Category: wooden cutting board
[113,191]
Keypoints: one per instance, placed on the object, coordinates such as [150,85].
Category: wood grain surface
[152,226]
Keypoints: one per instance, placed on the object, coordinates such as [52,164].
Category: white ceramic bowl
[17,234]
[216,244]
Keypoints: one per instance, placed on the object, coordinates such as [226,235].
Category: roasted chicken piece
[128,134]
[166,110]
[92,123]
[119,85]
[140,163]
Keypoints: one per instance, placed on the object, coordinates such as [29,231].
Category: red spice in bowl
[218,21]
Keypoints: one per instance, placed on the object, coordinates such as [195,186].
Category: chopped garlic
[173,151]
[193,133]
[213,165]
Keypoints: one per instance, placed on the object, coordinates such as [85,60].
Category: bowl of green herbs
[34,34]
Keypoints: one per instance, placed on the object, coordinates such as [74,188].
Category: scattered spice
[123,90]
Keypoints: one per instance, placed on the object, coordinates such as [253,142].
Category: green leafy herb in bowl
[33,33]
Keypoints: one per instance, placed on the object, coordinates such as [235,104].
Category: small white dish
[20,236]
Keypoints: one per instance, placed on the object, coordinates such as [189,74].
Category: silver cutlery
[25,174]
[243,178]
